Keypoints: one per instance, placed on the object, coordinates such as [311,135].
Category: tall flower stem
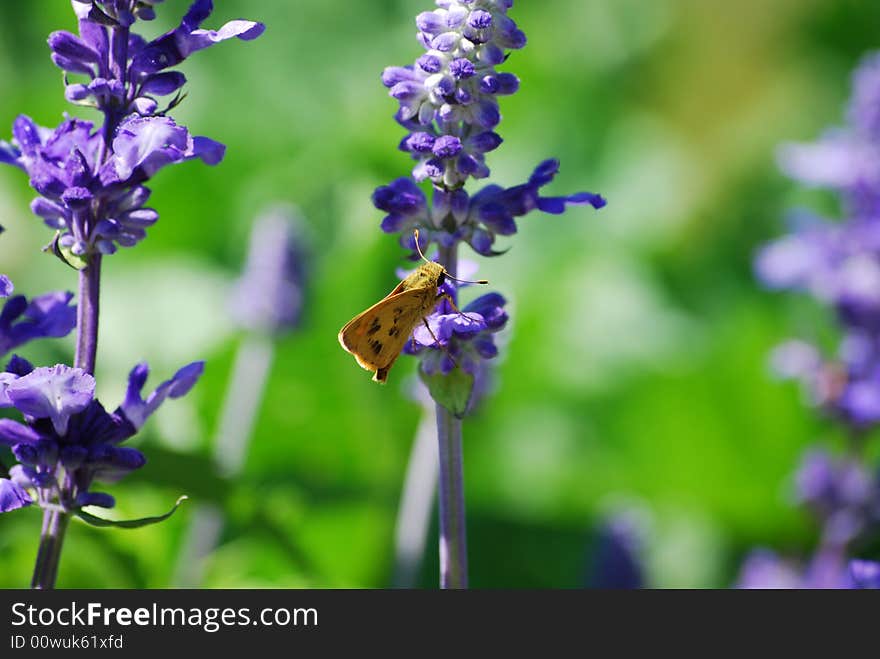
[87,315]
[453,532]
[416,503]
[55,523]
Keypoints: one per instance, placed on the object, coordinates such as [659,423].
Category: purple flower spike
[6,287]
[54,392]
[12,496]
[80,197]
[137,410]
[269,295]
[865,574]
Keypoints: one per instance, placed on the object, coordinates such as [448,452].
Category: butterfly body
[378,335]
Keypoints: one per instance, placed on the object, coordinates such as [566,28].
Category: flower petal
[55,392]
[12,496]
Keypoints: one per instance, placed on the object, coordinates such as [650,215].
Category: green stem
[453,531]
[55,524]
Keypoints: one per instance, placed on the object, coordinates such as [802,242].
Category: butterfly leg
[430,331]
[437,342]
[448,298]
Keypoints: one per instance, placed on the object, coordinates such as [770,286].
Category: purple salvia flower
[137,409]
[67,432]
[448,102]
[865,574]
[269,296]
[49,315]
[6,287]
[476,220]
[445,93]
[125,85]
[847,159]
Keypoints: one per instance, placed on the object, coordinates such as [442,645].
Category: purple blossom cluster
[837,263]
[448,103]
[464,338]
[449,106]
[91,179]
[68,440]
[91,184]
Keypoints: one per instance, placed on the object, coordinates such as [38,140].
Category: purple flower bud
[430,22]
[394,75]
[506,84]
[485,142]
[480,19]
[462,68]
[73,48]
[447,146]
[430,63]
[445,42]
[455,17]
[487,114]
[420,142]
[162,84]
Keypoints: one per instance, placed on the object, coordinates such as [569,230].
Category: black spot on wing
[376,346]
[375,327]
[394,331]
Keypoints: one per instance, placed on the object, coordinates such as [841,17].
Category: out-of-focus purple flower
[269,295]
[49,315]
[6,287]
[865,574]
[477,220]
[68,440]
[616,562]
[847,159]
[764,569]
[842,492]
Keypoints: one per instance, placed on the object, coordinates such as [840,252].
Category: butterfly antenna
[448,276]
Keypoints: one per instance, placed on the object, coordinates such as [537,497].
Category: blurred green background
[633,374]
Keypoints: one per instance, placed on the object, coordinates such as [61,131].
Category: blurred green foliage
[634,371]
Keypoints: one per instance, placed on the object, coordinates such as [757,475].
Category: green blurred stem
[453,533]
[416,503]
[55,524]
[244,396]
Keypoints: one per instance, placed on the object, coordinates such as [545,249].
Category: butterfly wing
[377,336]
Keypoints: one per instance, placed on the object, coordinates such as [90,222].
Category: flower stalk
[451,506]
[87,315]
[90,182]
[448,102]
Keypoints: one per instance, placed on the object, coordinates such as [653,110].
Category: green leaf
[452,391]
[65,255]
[129,523]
